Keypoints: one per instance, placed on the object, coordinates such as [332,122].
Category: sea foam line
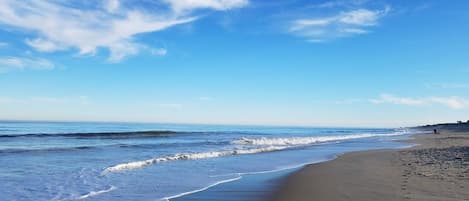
[95,193]
[201,189]
[267,171]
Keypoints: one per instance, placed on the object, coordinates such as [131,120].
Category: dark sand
[437,169]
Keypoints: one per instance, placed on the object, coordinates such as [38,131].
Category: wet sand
[436,169]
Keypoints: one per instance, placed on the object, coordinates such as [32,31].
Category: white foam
[202,189]
[296,141]
[95,193]
[191,156]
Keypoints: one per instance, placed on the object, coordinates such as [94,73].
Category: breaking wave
[261,145]
[191,156]
[297,141]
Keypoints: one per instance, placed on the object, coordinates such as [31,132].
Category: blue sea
[134,161]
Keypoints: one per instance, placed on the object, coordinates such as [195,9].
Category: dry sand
[437,169]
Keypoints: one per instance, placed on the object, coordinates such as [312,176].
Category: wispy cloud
[20,63]
[3,44]
[113,24]
[452,102]
[339,3]
[449,85]
[187,5]
[344,23]
[158,51]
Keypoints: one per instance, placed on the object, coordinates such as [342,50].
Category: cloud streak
[342,24]
[449,85]
[452,102]
[180,6]
[20,63]
[61,25]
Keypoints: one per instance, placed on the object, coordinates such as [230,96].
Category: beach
[121,161]
[126,161]
[234,100]
[437,168]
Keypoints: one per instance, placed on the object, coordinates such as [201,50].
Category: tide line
[202,189]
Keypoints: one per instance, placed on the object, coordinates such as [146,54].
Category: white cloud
[158,51]
[449,85]
[187,5]
[455,86]
[361,17]
[3,44]
[20,63]
[342,24]
[120,51]
[43,45]
[113,26]
[339,3]
[301,24]
[452,102]
[315,41]
[354,31]
[112,5]
[388,98]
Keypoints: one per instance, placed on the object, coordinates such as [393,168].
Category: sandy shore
[437,169]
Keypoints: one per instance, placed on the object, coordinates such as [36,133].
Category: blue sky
[293,62]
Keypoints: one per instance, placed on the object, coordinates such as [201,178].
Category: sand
[437,169]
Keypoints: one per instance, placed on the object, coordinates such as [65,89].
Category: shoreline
[228,185]
[232,187]
[436,168]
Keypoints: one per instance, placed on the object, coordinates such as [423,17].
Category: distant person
[435,131]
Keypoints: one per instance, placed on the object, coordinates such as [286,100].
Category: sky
[255,62]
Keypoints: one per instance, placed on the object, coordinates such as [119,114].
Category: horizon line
[209,124]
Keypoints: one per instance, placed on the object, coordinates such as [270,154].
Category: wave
[190,156]
[106,135]
[296,141]
[117,145]
[269,145]
[16,151]
[110,146]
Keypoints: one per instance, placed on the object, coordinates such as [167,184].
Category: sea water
[134,161]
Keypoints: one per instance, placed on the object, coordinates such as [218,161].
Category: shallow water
[123,161]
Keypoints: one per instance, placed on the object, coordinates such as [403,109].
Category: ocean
[137,161]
